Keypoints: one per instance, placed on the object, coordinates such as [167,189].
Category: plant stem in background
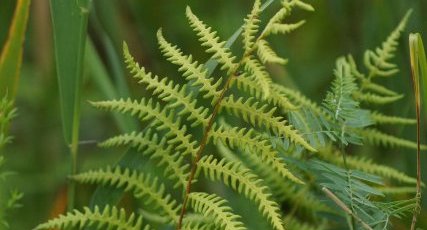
[418,61]
[11,56]
[69,20]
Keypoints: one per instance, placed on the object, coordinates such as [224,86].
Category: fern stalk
[203,143]
[217,105]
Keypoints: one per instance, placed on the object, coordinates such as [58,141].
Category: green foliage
[351,187]
[107,218]
[11,53]
[210,205]
[7,113]
[8,199]
[245,132]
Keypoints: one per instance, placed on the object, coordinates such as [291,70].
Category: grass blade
[11,56]
[69,21]
[99,75]
[418,71]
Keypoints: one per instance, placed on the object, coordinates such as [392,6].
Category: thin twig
[344,207]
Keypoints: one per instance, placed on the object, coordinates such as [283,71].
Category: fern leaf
[376,137]
[294,224]
[368,85]
[377,61]
[247,84]
[375,98]
[108,218]
[275,19]
[142,186]
[244,182]
[149,144]
[267,55]
[192,71]
[147,110]
[275,24]
[195,221]
[211,40]
[250,27]
[283,191]
[300,4]
[278,28]
[248,142]
[252,113]
[298,99]
[398,190]
[385,119]
[366,165]
[190,226]
[172,93]
[210,205]
[259,74]
[338,101]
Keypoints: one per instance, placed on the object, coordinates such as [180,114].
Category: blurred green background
[38,154]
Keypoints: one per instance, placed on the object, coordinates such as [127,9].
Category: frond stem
[203,143]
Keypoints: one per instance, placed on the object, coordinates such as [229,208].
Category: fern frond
[386,119]
[147,110]
[211,205]
[108,218]
[377,137]
[338,101]
[300,4]
[377,62]
[212,41]
[298,98]
[259,74]
[283,191]
[198,226]
[259,116]
[294,224]
[192,70]
[244,182]
[249,142]
[365,165]
[375,98]
[195,221]
[398,190]
[7,113]
[267,55]
[168,91]
[278,28]
[248,85]
[142,186]
[149,144]
[250,27]
[379,89]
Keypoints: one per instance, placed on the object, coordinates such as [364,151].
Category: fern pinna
[254,136]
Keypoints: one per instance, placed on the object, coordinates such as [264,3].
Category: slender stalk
[208,128]
[416,55]
[212,119]
[200,150]
[344,207]
[74,147]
